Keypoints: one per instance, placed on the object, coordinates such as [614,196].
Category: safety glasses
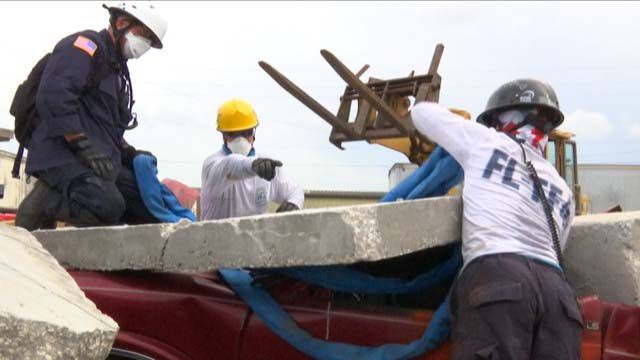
[243,133]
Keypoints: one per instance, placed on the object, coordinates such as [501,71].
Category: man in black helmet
[511,300]
[84,101]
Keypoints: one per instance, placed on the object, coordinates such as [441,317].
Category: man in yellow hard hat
[235,180]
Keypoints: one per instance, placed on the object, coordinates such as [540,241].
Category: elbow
[43,102]
[54,101]
[419,118]
[299,197]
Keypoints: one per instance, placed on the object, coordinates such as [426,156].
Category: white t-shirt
[231,189]
[501,211]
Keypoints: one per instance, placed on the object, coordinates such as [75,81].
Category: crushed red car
[171,316]
[196,316]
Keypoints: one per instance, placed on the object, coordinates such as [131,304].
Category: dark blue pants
[507,306]
[87,200]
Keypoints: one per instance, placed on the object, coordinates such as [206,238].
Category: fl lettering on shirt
[501,168]
[502,212]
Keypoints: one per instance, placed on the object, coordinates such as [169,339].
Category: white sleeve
[454,133]
[218,173]
[284,189]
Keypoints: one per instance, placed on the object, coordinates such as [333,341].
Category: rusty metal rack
[382,114]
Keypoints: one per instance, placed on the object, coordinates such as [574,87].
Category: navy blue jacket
[67,104]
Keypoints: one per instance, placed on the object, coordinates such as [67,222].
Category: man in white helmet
[235,180]
[84,101]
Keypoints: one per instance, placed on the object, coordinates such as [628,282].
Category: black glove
[287,206]
[265,168]
[128,153]
[93,157]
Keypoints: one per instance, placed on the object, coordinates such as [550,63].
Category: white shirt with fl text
[502,212]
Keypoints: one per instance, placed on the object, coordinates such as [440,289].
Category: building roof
[6,134]
[344,194]
[608,167]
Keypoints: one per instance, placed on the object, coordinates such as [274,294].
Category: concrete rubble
[309,237]
[603,256]
[603,252]
[43,313]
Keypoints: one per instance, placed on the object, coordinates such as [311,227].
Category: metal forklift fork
[383,105]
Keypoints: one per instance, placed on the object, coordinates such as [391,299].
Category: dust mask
[240,145]
[135,46]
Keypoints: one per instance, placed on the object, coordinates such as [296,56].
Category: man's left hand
[287,206]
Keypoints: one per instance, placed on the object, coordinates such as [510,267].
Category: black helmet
[522,93]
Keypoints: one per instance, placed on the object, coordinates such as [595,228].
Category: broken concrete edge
[340,235]
[603,256]
[30,339]
[603,251]
[43,312]
[25,263]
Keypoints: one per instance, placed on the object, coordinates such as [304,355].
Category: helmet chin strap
[118,33]
[125,77]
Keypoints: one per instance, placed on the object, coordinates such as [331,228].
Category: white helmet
[145,13]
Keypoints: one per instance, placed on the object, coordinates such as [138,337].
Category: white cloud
[208,58]
[587,125]
[634,129]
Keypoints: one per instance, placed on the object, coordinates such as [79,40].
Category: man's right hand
[91,156]
[265,168]
[128,153]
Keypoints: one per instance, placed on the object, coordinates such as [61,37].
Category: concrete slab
[603,256]
[43,313]
[309,237]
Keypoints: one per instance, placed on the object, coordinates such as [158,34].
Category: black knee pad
[100,198]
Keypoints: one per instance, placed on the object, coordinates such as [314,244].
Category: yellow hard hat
[465,114]
[236,115]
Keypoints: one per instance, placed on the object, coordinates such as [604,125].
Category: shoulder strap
[545,205]
[17,162]
[18,109]
[97,72]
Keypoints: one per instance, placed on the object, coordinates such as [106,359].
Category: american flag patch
[86,45]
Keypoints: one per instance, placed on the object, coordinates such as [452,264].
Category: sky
[588,51]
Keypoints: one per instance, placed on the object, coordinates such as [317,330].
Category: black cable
[127,89]
[545,205]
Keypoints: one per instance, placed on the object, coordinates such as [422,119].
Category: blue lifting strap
[434,178]
[157,197]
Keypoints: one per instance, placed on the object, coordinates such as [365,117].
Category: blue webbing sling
[433,178]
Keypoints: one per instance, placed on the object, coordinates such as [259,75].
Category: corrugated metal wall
[313,203]
[610,185]
[605,185]
[323,199]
